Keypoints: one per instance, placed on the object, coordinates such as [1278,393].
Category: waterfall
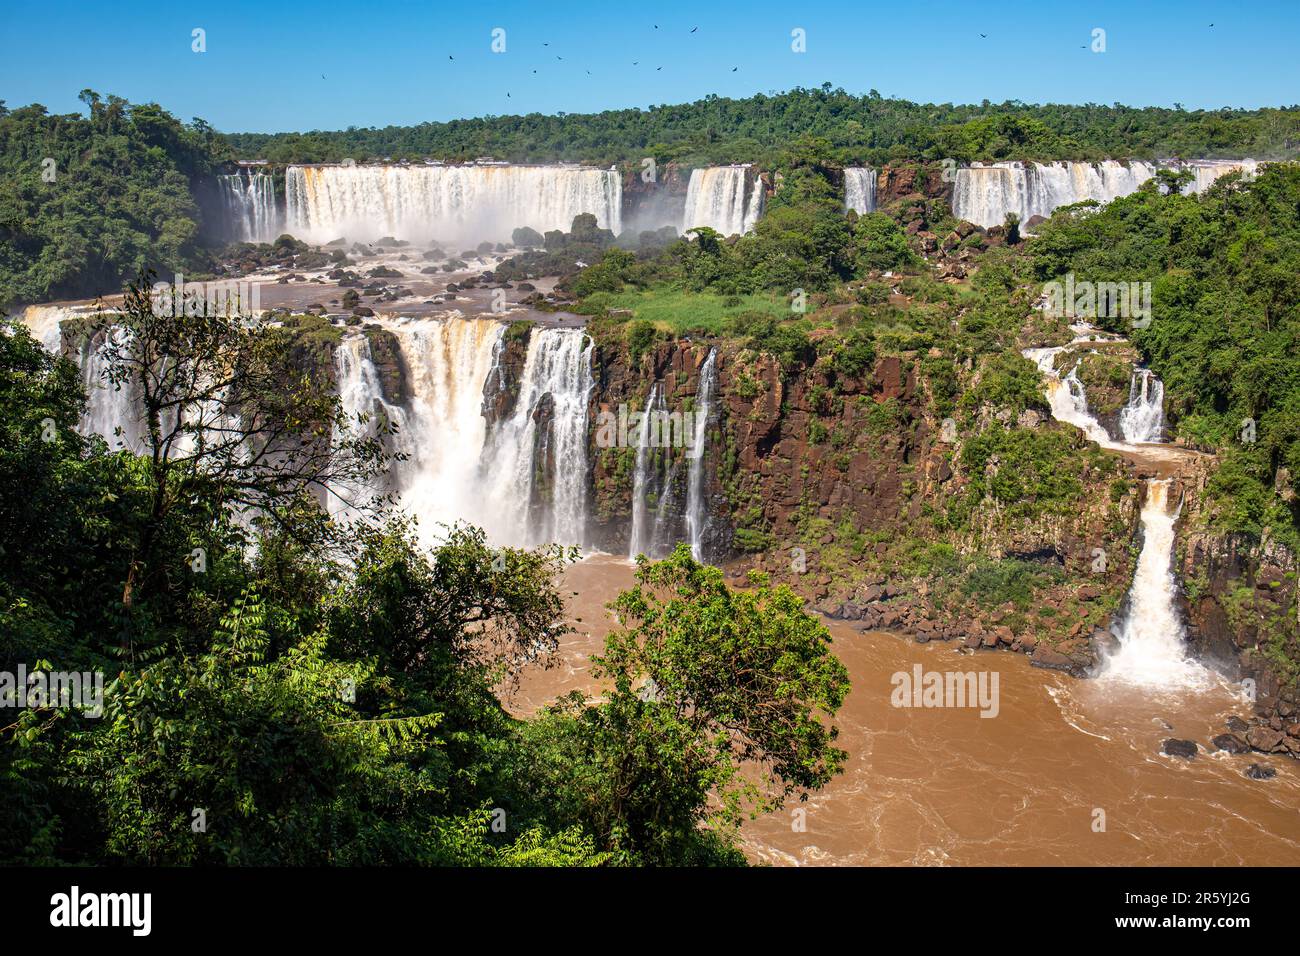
[1067,397]
[361,394]
[1143,418]
[1151,637]
[984,195]
[525,459]
[639,542]
[524,481]
[724,198]
[110,407]
[697,515]
[447,202]
[1206,171]
[249,200]
[860,189]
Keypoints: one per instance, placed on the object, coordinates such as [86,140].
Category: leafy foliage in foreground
[330,696]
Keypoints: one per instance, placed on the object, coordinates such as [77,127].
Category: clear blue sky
[387,63]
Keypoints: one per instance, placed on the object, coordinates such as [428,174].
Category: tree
[718,705]
[228,417]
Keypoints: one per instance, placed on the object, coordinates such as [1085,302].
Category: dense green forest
[1225,335]
[862,129]
[86,201]
[292,690]
[330,694]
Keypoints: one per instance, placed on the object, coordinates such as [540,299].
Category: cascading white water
[249,200]
[1143,418]
[525,482]
[1207,171]
[642,535]
[984,194]
[112,411]
[1152,651]
[725,198]
[1066,395]
[362,397]
[697,516]
[860,189]
[557,369]
[447,202]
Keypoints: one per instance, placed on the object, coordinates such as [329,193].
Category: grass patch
[677,310]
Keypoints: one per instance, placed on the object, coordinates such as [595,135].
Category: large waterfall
[1143,418]
[248,198]
[726,198]
[524,459]
[420,203]
[1152,651]
[697,512]
[984,195]
[523,480]
[860,189]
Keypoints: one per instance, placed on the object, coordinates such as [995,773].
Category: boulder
[1180,748]
[1257,771]
[1265,739]
[1231,743]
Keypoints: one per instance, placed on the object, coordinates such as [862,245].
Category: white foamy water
[419,203]
[642,536]
[1152,641]
[525,480]
[728,199]
[984,194]
[250,208]
[1143,418]
[697,513]
[860,189]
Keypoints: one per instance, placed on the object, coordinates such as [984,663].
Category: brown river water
[1029,786]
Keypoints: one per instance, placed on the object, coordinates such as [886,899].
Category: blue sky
[323,64]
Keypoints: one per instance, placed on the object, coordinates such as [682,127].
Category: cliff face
[1239,600]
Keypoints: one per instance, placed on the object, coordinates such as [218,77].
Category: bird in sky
[734,69]
[984,35]
[693,29]
[635,62]
[658,68]
[450,57]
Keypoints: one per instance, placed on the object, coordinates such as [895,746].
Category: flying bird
[635,62]
[984,35]
[450,57]
[693,29]
[658,68]
[734,69]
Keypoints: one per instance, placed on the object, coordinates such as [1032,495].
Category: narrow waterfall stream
[1152,647]
[697,516]
[642,536]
